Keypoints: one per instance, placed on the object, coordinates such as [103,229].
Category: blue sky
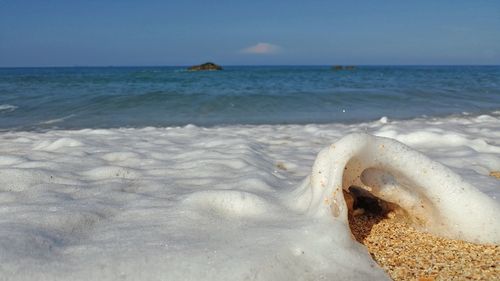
[105,32]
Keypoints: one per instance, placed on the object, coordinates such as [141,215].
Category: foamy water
[194,203]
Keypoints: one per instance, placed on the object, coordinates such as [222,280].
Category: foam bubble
[57,144]
[231,203]
[438,200]
[6,160]
[110,172]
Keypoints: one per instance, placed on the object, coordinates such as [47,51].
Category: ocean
[136,97]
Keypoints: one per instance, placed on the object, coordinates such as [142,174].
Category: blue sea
[112,97]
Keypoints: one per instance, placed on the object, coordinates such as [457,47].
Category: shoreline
[384,119]
[150,203]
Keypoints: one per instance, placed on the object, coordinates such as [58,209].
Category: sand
[408,254]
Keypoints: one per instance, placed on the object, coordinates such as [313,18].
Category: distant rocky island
[343,67]
[204,67]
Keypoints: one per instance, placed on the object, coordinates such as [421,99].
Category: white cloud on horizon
[262,49]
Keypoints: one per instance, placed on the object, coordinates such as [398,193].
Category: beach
[195,203]
[249,140]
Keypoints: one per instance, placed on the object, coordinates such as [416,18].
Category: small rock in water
[343,67]
[205,66]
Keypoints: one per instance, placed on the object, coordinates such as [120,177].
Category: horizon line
[236,65]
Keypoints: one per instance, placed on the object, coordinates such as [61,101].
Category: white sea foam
[7,108]
[436,199]
[56,120]
[197,203]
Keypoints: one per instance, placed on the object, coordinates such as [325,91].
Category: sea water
[112,97]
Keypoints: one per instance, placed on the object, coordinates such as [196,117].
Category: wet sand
[495,174]
[407,254]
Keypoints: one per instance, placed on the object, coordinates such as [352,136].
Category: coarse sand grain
[408,254]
